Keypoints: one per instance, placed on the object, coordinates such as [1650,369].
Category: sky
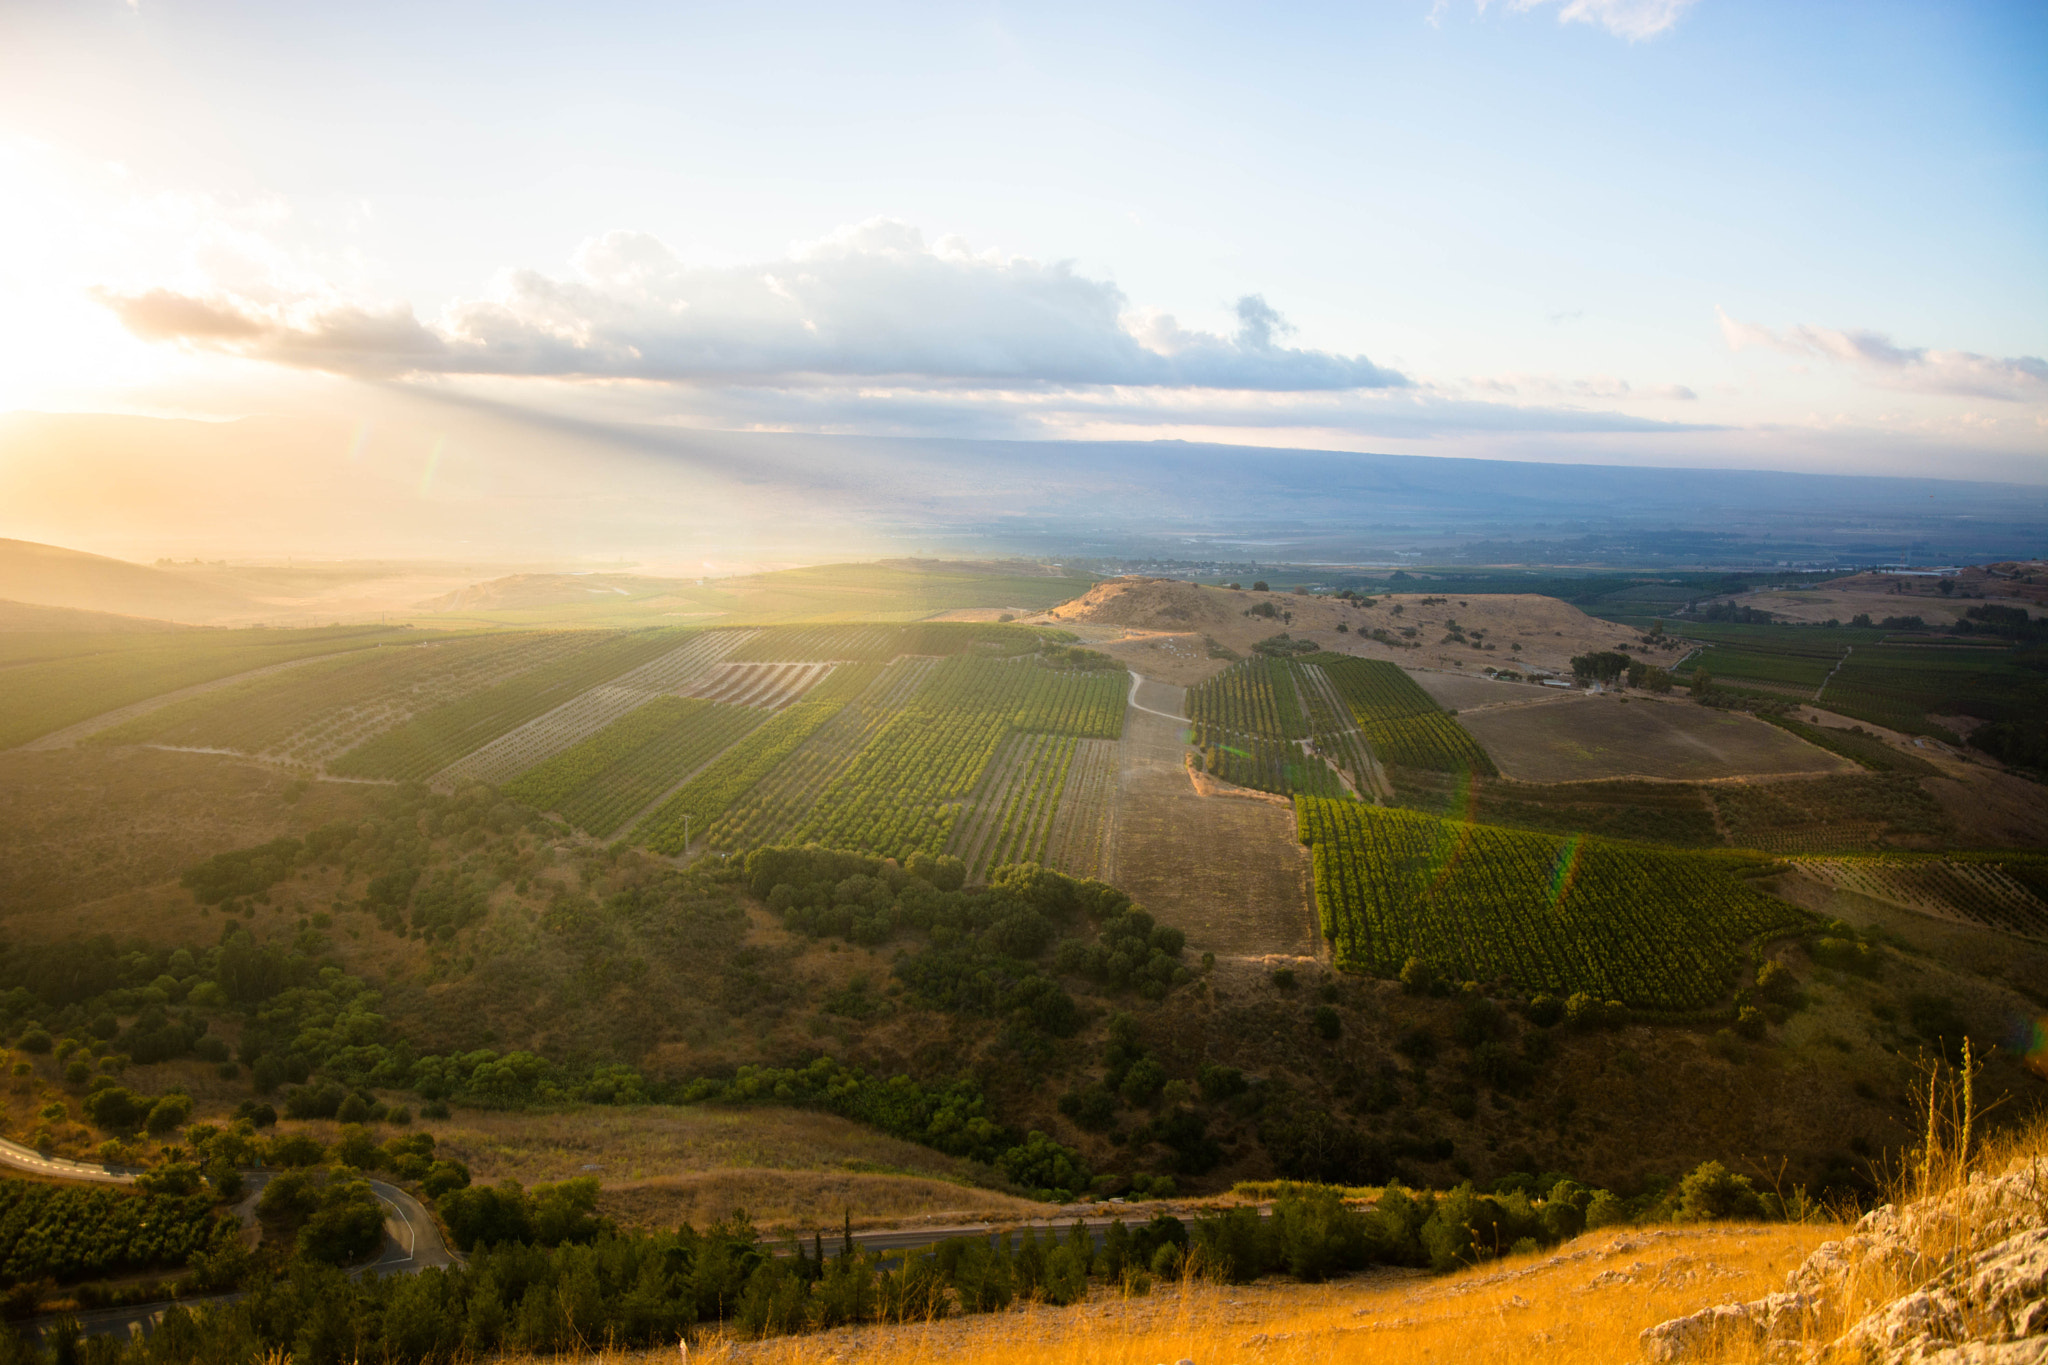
[1710,233]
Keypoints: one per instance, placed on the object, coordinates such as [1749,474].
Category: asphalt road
[412,1240]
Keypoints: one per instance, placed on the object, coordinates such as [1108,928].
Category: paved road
[412,1240]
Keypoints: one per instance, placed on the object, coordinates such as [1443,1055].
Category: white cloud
[1965,373]
[1634,20]
[868,301]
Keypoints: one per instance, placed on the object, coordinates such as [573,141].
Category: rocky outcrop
[1972,1268]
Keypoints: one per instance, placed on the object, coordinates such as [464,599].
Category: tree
[168,1115]
[1713,1193]
[1260,586]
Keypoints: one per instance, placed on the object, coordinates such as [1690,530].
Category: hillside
[1183,632]
[50,576]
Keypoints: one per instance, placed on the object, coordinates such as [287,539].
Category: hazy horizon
[464,264]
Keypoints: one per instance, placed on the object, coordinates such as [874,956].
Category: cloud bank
[1634,20]
[1962,373]
[869,302]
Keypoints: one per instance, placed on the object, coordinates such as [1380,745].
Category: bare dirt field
[1227,871]
[1580,737]
[1463,691]
[1166,626]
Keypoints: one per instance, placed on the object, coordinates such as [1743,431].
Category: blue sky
[1806,236]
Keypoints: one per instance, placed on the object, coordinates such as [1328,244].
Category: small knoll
[1149,604]
[1189,631]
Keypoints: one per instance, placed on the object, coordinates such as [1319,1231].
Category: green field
[1652,928]
[1885,678]
[898,591]
[52,681]
[902,793]
[333,705]
[690,812]
[1249,718]
[432,740]
[600,783]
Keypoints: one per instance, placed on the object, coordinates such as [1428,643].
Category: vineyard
[70,1233]
[590,712]
[310,715]
[1267,765]
[1009,818]
[434,739]
[766,687]
[599,784]
[903,792]
[691,809]
[54,682]
[1082,839]
[783,797]
[1651,928]
[879,644]
[1829,814]
[1248,717]
[1976,892]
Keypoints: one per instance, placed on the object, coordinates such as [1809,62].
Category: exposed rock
[1776,1318]
[1973,1266]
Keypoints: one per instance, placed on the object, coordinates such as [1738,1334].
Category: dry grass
[804,1201]
[1584,1303]
[656,1142]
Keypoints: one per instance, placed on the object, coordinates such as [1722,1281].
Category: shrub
[1327,1022]
[1713,1193]
[168,1115]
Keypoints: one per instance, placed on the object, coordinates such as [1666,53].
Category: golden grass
[649,1142]
[798,1202]
[1586,1302]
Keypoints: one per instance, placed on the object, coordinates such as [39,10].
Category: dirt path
[1229,872]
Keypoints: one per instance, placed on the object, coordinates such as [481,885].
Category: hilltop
[1182,632]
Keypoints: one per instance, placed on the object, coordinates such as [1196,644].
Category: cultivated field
[1218,867]
[785,795]
[1579,737]
[678,671]
[1535,912]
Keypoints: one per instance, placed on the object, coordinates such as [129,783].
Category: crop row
[67,1233]
[546,735]
[308,713]
[1080,840]
[1267,765]
[879,644]
[57,681]
[597,784]
[785,795]
[1434,742]
[901,794]
[1253,697]
[1979,892]
[432,740]
[1376,690]
[1653,928]
[690,811]
[1011,816]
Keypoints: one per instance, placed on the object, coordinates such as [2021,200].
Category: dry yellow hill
[1162,628]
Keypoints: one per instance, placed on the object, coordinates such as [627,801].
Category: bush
[1416,977]
[168,1115]
[1327,1022]
[293,1150]
[1712,1193]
